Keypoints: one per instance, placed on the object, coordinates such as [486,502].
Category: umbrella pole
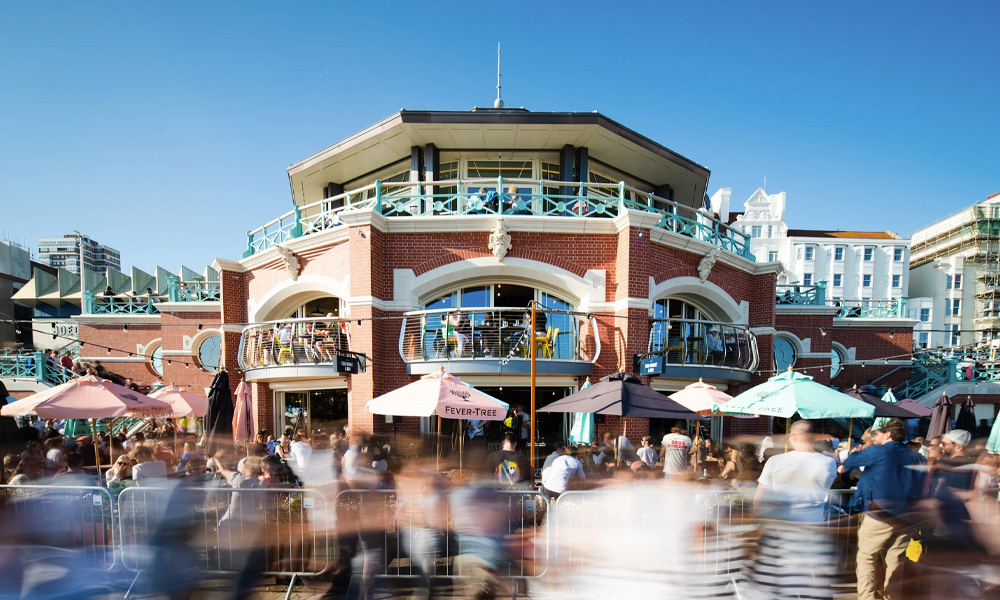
[461,447]
[788,425]
[111,440]
[97,452]
[850,433]
[437,462]
[531,439]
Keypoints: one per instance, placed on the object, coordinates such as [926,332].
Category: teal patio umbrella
[792,393]
[993,444]
[881,421]
[582,431]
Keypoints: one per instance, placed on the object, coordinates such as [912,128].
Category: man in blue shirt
[888,485]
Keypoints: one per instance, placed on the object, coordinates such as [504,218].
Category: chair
[544,345]
[284,351]
[677,348]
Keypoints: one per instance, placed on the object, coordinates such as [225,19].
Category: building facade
[66,253]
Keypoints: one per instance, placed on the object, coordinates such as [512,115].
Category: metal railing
[872,309]
[316,341]
[693,341]
[493,197]
[193,291]
[34,365]
[492,333]
[99,304]
[804,295]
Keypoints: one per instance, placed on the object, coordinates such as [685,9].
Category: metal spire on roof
[498,103]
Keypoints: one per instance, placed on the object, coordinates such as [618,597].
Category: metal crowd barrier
[77,519]
[289,529]
[442,535]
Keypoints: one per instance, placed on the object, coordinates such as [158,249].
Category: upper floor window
[953,307]
[866,280]
[770,231]
[897,281]
[924,339]
[956,334]
[838,253]
[954,282]
[897,254]
[810,252]
[869,253]
[772,256]
[837,279]
[755,231]
[807,279]
[674,308]
[491,169]
[925,315]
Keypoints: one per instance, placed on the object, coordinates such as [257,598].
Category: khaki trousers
[880,544]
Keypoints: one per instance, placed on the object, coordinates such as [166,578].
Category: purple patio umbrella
[921,410]
[940,417]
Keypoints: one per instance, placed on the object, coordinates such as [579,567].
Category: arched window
[156,360]
[208,352]
[784,353]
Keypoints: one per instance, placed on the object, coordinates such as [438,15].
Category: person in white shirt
[675,451]
[301,451]
[796,483]
[563,470]
[647,453]
[146,469]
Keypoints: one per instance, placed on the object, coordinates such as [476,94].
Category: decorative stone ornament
[706,264]
[291,262]
[500,240]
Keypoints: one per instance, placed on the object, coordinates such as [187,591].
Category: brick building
[421,242]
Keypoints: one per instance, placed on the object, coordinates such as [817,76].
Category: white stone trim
[633,303]
[117,319]
[693,288]
[312,285]
[143,350]
[302,385]
[232,328]
[881,323]
[113,359]
[224,264]
[189,307]
[584,290]
[184,353]
[805,309]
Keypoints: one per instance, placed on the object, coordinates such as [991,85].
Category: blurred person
[33,450]
[732,464]
[191,450]
[507,465]
[557,451]
[888,486]
[765,444]
[284,449]
[271,444]
[923,445]
[562,473]
[240,527]
[301,451]
[674,452]
[951,469]
[26,472]
[792,560]
[10,462]
[73,474]
[253,450]
[55,459]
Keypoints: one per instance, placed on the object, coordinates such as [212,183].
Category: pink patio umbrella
[244,423]
[701,398]
[87,397]
[182,403]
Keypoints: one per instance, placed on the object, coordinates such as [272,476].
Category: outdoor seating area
[705,343]
[313,341]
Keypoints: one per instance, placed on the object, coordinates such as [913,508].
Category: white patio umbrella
[439,394]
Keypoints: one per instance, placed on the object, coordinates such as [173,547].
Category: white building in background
[956,266]
[65,252]
[856,265]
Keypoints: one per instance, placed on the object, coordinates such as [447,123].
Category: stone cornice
[189,307]
[805,309]
[117,319]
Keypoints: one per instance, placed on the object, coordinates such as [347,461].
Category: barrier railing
[312,341]
[803,295]
[443,535]
[94,304]
[193,291]
[78,519]
[872,309]
[33,365]
[700,342]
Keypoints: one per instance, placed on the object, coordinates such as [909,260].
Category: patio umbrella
[882,408]
[966,415]
[792,393]
[87,397]
[921,410]
[243,415]
[891,399]
[183,403]
[583,428]
[700,397]
[219,415]
[940,417]
[441,394]
[993,444]
[622,394]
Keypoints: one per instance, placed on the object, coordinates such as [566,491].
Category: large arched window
[681,322]
[320,307]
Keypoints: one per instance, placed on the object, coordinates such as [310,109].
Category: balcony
[538,198]
[496,339]
[99,304]
[32,365]
[298,349]
[801,295]
[872,309]
[691,348]
[192,291]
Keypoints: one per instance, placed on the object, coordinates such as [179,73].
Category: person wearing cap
[952,469]
[888,486]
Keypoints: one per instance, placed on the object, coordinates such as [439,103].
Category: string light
[124,326]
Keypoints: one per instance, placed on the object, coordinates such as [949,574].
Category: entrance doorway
[318,412]
[549,427]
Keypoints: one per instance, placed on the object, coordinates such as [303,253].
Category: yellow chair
[544,345]
[284,351]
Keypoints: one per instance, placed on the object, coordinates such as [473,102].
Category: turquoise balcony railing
[498,197]
[33,365]
[802,295]
[192,291]
[873,309]
[99,304]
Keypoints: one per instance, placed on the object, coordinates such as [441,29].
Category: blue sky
[165,129]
